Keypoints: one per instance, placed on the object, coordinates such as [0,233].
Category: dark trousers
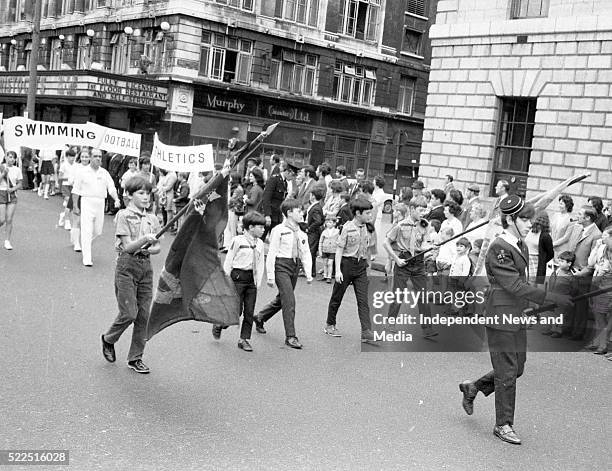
[247,295]
[401,275]
[276,220]
[508,356]
[581,309]
[356,273]
[286,275]
[313,243]
[134,291]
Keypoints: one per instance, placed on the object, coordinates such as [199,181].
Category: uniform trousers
[247,295]
[92,221]
[508,352]
[416,273]
[134,292]
[354,272]
[285,275]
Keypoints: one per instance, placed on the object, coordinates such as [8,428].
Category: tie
[294,250]
[412,241]
[253,247]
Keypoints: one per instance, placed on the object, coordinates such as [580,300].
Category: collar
[511,239]
[291,225]
[252,240]
[408,222]
[358,225]
[436,207]
[134,210]
[588,228]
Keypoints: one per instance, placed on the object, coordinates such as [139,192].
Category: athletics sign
[23,132]
[183,158]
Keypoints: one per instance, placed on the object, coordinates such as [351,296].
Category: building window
[12,60]
[360,18]
[83,52]
[406,95]
[293,71]
[416,7]
[121,51]
[243,4]
[57,54]
[529,8]
[354,84]
[225,58]
[17,10]
[412,41]
[28,54]
[300,11]
[513,149]
[348,151]
[154,56]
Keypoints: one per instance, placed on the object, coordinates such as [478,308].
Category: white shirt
[94,183]
[243,253]
[68,171]
[281,246]
[511,239]
[13,176]
[454,224]
[460,266]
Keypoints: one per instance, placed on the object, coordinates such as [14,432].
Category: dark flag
[192,284]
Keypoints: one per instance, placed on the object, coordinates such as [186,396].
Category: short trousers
[328,255]
[47,168]
[7,198]
[66,191]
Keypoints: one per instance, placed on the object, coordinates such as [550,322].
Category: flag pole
[536,310]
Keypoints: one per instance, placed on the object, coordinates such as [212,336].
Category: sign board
[20,131]
[119,142]
[182,158]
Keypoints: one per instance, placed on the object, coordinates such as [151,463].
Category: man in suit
[341,177]
[308,183]
[355,185]
[587,217]
[274,194]
[509,295]
[501,190]
[437,206]
[473,198]
[314,223]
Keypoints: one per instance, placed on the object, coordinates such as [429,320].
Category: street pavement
[209,406]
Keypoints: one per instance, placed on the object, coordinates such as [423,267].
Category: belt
[141,256]
[357,259]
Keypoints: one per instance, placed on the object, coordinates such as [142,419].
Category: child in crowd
[165,194]
[244,264]
[10,181]
[132,171]
[344,214]
[181,195]
[461,265]
[134,241]
[446,255]
[288,245]
[562,281]
[66,175]
[327,247]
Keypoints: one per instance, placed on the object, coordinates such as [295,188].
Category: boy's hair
[346,197]
[418,202]
[289,205]
[145,161]
[138,183]
[133,159]
[335,186]
[379,181]
[401,208]
[70,153]
[450,178]
[331,217]
[438,194]
[253,218]
[465,242]
[478,243]
[341,169]
[435,223]
[568,256]
[528,212]
[325,169]
[361,205]
[309,171]
[367,187]
[318,192]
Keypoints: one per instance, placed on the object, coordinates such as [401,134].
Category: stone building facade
[347,79]
[520,90]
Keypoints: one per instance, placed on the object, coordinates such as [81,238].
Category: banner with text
[24,132]
[183,158]
[119,142]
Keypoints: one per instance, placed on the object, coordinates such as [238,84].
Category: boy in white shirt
[288,243]
[66,175]
[461,264]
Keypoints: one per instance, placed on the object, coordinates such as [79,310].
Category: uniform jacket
[274,194]
[510,292]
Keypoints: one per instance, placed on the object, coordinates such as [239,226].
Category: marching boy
[288,244]
[135,228]
[244,264]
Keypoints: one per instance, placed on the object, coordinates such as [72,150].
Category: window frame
[517,5]
[303,68]
[350,15]
[214,51]
[417,8]
[349,78]
[240,4]
[403,87]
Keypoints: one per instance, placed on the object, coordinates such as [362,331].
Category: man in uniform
[274,194]
[506,265]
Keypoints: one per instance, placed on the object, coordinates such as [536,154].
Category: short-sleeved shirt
[409,236]
[13,176]
[354,240]
[130,222]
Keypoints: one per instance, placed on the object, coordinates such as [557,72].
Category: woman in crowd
[254,196]
[451,212]
[478,215]
[10,181]
[539,243]
[561,227]
[602,221]
[332,205]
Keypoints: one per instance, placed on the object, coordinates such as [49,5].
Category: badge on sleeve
[503,256]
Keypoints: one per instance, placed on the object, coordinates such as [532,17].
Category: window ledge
[414,15]
[410,54]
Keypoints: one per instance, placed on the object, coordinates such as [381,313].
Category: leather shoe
[216,331]
[469,394]
[108,350]
[293,342]
[245,345]
[507,434]
[259,325]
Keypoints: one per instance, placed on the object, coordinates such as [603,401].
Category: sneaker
[216,331]
[293,342]
[367,336]
[259,325]
[244,344]
[61,221]
[332,331]
[7,245]
[138,366]
[328,281]
[67,225]
[108,351]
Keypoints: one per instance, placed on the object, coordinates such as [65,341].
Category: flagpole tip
[271,129]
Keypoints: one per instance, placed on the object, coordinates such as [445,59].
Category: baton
[448,240]
[536,310]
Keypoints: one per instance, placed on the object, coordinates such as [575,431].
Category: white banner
[119,142]
[183,158]
[41,135]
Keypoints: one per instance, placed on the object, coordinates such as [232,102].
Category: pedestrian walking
[66,174]
[135,242]
[11,178]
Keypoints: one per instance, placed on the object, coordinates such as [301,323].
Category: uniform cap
[511,204]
